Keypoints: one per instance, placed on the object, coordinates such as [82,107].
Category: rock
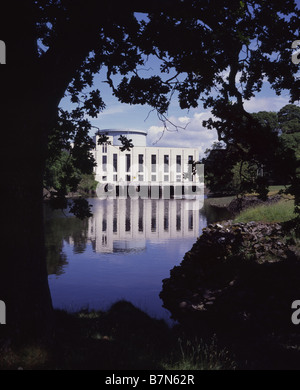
[234,268]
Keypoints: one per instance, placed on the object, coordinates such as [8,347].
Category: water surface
[123,252]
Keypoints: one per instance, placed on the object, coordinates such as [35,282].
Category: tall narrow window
[153,162]
[178,163]
[166,163]
[141,163]
[104,148]
[104,163]
[190,159]
[128,162]
[115,162]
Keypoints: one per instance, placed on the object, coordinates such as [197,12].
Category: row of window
[141,163]
[141,178]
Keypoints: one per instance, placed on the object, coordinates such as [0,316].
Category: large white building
[145,165]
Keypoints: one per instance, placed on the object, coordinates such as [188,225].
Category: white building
[145,165]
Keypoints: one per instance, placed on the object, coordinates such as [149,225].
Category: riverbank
[122,338]
[232,298]
[239,281]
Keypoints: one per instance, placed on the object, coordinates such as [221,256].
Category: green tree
[289,122]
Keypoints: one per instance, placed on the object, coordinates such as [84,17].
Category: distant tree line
[238,168]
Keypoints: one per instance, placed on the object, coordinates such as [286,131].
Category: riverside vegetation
[239,281]
[231,296]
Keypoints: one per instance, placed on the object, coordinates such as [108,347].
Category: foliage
[278,163]
[192,72]
[87,184]
[122,338]
[126,143]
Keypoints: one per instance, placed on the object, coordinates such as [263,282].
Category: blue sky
[192,133]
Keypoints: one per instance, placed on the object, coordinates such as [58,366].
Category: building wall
[161,175]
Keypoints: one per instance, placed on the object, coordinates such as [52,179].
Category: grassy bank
[122,338]
[281,211]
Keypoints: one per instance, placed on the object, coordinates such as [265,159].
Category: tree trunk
[27,117]
[23,276]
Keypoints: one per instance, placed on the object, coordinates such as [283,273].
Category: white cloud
[190,133]
[266,103]
[115,109]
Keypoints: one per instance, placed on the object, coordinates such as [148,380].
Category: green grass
[122,338]
[281,211]
[273,190]
[200,355]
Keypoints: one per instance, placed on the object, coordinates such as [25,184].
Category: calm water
[123,252]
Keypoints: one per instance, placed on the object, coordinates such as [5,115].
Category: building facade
[147,165]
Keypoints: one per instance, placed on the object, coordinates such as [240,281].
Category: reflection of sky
[96,279]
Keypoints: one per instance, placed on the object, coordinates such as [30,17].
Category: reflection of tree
[60,228]
[214,214]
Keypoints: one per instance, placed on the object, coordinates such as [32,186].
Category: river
[123,252]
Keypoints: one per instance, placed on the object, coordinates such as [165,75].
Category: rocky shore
[238,277]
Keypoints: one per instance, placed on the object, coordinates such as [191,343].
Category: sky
[189,131]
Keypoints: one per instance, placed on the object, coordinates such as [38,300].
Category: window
[104,224]
[141,163]
[115,178]
[153,177]
[115,162]
[128,163]
[166,177]
[166,163]
[178,163]
[104,163]
[104,148]
[190,159]
[128,178]
[104,178]
[153,162]
[141,177]
[178,177]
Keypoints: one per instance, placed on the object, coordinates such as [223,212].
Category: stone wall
[238,277]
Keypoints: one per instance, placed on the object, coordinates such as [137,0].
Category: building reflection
[120,225]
